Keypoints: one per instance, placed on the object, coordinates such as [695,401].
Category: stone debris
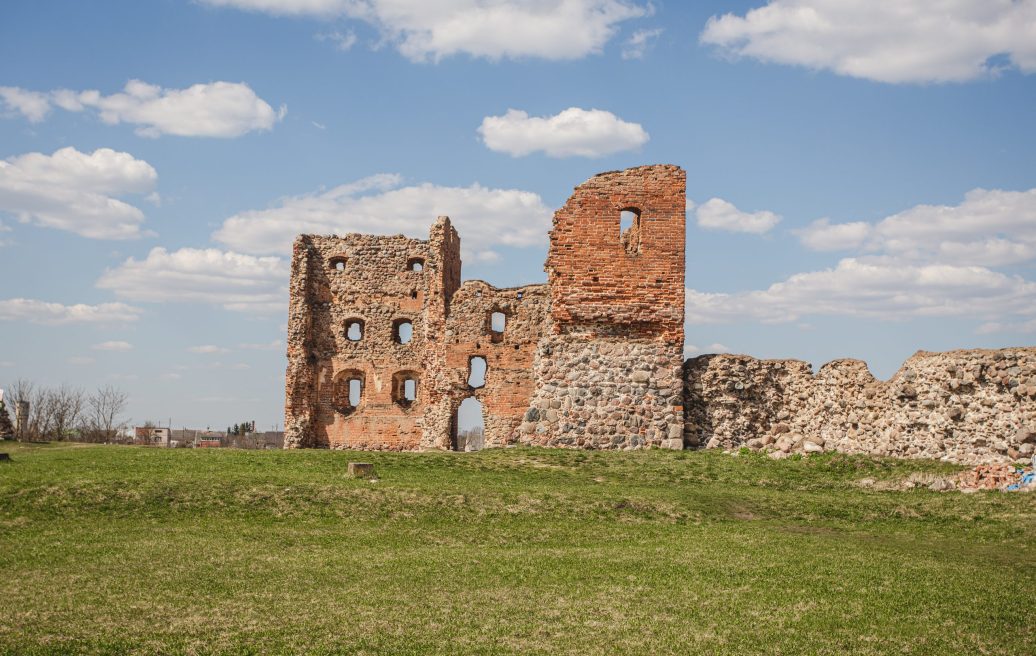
[997,477]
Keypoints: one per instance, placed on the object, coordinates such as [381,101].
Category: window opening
[477,371]
[337,263]
[629,230]
[354,329]
[404,388]
[402,331]
[347,392]
[415,264]
[355,391]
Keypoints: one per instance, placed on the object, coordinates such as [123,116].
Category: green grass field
[133,550]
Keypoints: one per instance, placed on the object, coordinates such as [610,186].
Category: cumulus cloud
[75,191]
[268,346]
[573,132]
[485,217]
[989,228]
[637,45]
[113,346]
[208,349]
[718,214]
[216,109]
[897,41]
[31,104]
[231,280]
[883,288]
[494,29]
[36,311]
[822,235]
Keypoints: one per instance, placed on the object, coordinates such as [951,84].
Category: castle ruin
[385,341]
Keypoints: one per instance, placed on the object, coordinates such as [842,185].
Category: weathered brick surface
[603,283]
[593,358]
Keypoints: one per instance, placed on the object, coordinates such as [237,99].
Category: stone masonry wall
[609,376]
[968,406]
[593,358]
[508,355]
[606,393]
[366,279]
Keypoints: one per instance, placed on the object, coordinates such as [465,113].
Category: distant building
[151,436]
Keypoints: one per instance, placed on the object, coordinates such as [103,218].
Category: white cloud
[884,40]
[216,109]
[989,228]
[573,132]
[113,346]
[1008,327]
[342,42]
[883,288]
[822,235]
[716,347]
[208,349]
[484,217]
[718,214]
[637,45]
[232,280]
[76,191]
[34,311]
[6,363]
[80,360]
[428,31]
[31,104]
[269,346]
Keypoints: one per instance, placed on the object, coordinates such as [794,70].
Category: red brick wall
[596,282]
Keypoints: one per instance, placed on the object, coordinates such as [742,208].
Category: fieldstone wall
[604,393]
[967,406]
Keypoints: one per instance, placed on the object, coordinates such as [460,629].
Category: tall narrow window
[354,329]
[404,388]
[355,391]
[477,371]
[347,391]
[497,325]
[629,230]
[402,331]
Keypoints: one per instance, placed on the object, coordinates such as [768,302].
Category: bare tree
[66,408]
[104,410]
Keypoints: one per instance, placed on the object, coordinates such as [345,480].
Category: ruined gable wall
[509,356]
[609,376]
[376,287]
[966,406]
[595,280]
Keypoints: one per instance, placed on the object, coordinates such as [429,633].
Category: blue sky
[862,174]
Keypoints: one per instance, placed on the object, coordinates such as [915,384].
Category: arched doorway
[469,426]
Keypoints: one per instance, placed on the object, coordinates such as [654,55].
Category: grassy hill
[135,550]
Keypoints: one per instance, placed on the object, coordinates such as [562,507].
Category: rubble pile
[997,477]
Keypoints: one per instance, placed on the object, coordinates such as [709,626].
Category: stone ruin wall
[375,288]
[967,406]
[593,359]
[609,375]
[451,323]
